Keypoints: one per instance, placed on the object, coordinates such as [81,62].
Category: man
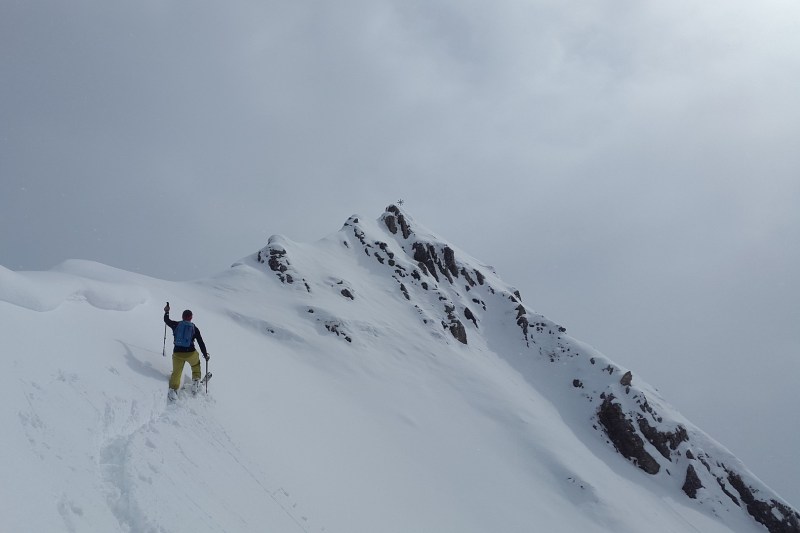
[185,333]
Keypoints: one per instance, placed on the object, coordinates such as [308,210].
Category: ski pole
[206,373]
[164,350]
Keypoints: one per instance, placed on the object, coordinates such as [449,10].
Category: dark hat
[187,315]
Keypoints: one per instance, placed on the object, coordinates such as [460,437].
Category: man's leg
[194,362]
[178,360]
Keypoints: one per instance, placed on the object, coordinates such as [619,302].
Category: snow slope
[378,380]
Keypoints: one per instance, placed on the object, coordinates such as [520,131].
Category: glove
[207,356]
[166,308]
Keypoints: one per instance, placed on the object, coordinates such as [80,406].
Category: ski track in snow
[150,457]
[131,461]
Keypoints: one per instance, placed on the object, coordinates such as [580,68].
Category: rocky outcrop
[279,263]
[426,255]
[395,217]
[692,483]
[454,325]
[277,259]
[336,327]
[623,435]
[470,316]
[776,516]
[631,429]
[522,321]
[663,441]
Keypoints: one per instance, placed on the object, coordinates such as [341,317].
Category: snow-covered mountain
[379,380]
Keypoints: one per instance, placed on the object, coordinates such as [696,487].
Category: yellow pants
[178,360]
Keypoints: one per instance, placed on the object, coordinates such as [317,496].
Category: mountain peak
[452,292]
[396,220]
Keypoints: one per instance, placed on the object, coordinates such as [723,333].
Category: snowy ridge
[633,416]
[380,379]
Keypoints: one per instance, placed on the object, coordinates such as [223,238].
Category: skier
[185,333]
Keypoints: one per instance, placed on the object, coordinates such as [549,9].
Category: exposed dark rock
[442,268]
[391,223]
[425,256]
[692,483]
[347,294]
[522,322]
[360,235]
[405,291]
[734,499]
[689,454]
[470,316]
[466,275]
[764,512]
[663,441]
[578,384]
[450,261]
[626,379]
[480,276]
[705,463]
[279,263]
[404,227]
[385,248]
[334,327]
[458,331]
[277,260]
[455,326]
[624,437]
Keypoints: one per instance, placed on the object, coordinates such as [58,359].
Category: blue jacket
[199,338]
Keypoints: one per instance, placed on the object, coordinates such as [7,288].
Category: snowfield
[344,399]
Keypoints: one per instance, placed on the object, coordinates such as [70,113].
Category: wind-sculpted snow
[380,379]
[46,291]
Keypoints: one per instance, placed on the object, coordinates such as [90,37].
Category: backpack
[184,334]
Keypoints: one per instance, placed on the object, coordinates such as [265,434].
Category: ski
[205,378]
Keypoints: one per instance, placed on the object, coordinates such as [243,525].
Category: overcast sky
[633,167]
